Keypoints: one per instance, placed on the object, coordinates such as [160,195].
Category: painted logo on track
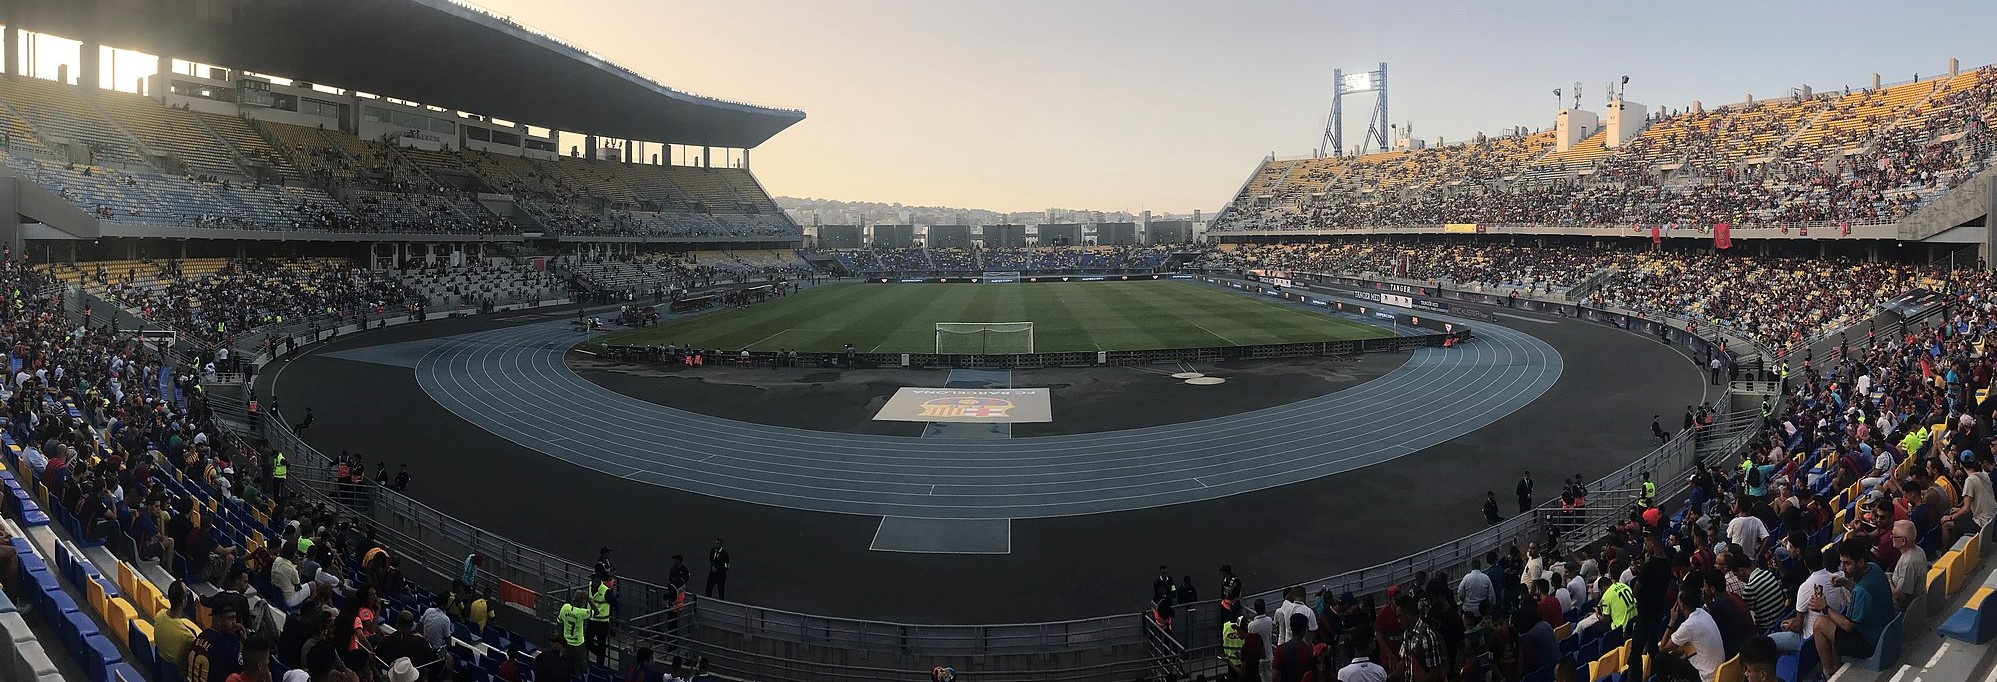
[967,406]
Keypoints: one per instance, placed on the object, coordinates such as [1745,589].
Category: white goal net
[984,338]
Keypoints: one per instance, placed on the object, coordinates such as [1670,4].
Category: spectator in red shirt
[1549,605]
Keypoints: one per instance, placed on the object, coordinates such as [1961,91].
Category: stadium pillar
[10,215]
[162,81]
[706,156]
[589,147]
[1988,253]
[745,158]
[630,150]
[13,44]
[87,62]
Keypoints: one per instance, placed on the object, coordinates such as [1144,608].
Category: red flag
[1803,230]
[1845,228]
[1723,236]
[1656,235]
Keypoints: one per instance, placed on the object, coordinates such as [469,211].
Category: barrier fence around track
[757,643]
[1398,344]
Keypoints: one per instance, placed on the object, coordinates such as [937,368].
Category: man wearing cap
[1230,589]
[218,650]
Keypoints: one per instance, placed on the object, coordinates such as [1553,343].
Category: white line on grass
[1216,334]
[780,332]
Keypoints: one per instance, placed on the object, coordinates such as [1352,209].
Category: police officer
[717,571]
[1231,639]
[598,628]
[1230,590]
[279,470]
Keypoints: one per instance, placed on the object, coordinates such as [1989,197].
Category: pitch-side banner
[988,405]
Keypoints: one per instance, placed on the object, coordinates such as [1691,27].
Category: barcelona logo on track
[966,406]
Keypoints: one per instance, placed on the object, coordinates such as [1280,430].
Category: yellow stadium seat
[127,579]
[1563,631]
[145,627]
[1957,573]
[1610,663]
[93,591]
[118,617]
[1731,671]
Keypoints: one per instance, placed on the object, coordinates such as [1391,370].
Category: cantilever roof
[440,52]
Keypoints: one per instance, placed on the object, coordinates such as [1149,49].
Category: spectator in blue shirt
[1859,628]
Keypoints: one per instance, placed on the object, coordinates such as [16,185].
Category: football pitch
[1071,316]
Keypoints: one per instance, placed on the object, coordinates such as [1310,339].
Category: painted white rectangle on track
[974,405]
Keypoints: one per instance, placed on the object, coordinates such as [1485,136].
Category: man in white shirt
[1293,603]
[1697,630]
[1263,626]
[1362,669]
[1746,530]
[1474,590]
[1577,589]
[1534,566]
[1977,505]
[1802,626]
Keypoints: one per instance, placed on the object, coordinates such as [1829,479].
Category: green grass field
[1076,316]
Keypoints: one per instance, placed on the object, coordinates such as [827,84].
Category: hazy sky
[1169,104]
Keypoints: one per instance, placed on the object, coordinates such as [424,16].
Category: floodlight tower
[1343,84]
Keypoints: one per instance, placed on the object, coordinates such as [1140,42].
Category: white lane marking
[1526,319]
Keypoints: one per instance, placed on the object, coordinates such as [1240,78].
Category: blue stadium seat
[1886,653]
[1976,621]
[1795,665]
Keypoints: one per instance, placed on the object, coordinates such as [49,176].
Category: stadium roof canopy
[438,52]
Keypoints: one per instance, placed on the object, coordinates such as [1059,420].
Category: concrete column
[13,61]
[1989,251]
[87,65]
[630,149]
[706,157]
[589,146]
[162,83]
[745,158]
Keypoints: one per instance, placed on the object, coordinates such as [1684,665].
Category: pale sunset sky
[1168,105]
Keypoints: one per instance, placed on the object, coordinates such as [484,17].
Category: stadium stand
[1869,156]
[925,261]
[129,158]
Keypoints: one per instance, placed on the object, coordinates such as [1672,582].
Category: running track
[514,382]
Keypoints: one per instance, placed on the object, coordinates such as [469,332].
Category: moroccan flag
[1723,236]
[1845,227]
[1656,235]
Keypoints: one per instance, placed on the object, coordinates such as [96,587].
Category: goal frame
[984,332]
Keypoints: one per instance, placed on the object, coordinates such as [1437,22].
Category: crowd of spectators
[249,293]
[917,260]
[1543,269]
[1809,546]
[1870,164]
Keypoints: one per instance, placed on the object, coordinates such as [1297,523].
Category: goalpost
[983,338]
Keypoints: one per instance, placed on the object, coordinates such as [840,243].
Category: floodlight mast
[1333,141]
